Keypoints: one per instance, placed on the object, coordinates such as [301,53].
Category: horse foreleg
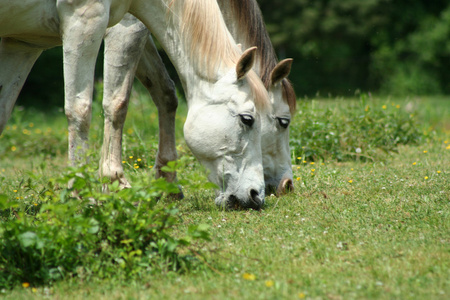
[153,75]
[83,25]
[124,44]
[16,60]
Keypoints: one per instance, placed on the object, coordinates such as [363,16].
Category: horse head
[223,131]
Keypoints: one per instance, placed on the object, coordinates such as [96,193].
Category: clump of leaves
[80,231]
[351,130]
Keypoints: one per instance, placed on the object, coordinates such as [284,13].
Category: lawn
[366,224]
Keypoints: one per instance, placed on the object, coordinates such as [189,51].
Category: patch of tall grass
[346,130]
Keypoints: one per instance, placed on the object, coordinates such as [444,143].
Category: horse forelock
[210,45]
[259,91]
[289,95]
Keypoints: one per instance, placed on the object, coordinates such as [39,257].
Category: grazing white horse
[244,20]
[224,96]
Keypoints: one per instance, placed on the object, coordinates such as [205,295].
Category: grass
[353,228]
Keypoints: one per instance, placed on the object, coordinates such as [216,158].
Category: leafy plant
[80,231]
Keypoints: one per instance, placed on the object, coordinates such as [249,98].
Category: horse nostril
[285,187]
[255,200]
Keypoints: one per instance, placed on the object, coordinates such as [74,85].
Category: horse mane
[210,44]
[250,21]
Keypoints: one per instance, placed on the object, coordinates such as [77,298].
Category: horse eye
[284,122]
[247,120]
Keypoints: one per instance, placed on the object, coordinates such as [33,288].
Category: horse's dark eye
[247,120]
[284,122]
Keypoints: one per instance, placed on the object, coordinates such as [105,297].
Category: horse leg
[124,44]
[16,60]
[83,25]
[153,75]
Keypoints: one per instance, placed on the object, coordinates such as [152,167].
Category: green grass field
[369,226]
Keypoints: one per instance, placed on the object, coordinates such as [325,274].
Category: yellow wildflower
[384,107]
[25,284]
[249,276]
[350,181]
[414,163]
[130,157]
[298,178]
[425,151]
[312,163]
[301,295]
[139,159]
[312,170]
[398,106]
[13,148]
[439,172]
[269,283]
[426,177]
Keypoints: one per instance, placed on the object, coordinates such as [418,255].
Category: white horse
[244,20]
[223,94]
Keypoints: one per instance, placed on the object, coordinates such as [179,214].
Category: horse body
[224,95]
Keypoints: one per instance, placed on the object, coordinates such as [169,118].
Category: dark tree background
[340,47]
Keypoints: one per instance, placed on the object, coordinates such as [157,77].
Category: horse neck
[245,23]
[166,27]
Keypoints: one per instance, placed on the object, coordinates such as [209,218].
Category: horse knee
[116,109]
[171,100]
[79,114]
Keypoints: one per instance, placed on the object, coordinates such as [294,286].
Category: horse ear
[281,71]
[246,62]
